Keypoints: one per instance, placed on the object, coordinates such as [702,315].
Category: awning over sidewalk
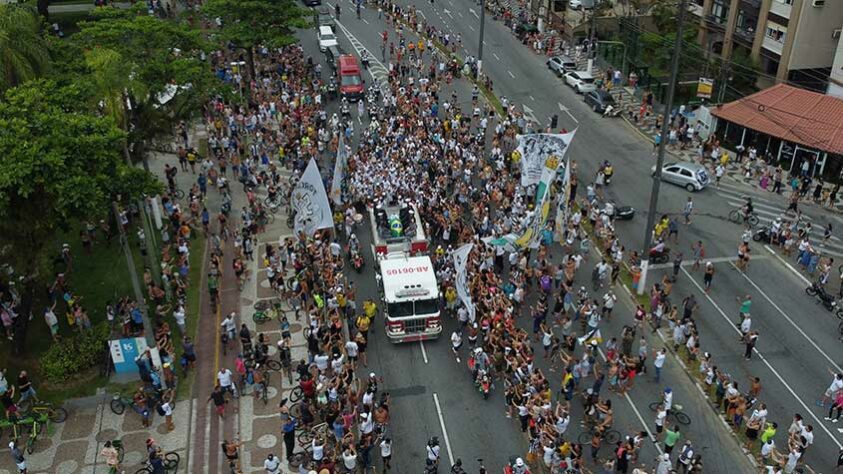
[797,115]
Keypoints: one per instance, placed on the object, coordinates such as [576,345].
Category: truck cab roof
[408,279]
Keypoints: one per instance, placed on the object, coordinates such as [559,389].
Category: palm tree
[23,50]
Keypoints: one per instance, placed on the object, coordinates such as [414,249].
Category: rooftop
[797,115]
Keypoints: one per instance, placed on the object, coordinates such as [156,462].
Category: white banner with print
[339,171]
[310,202]
[460,263]
[535,148]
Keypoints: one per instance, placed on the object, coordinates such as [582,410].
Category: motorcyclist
[457,467]
[608,170]
[337,10]
[364,57]
[481,362]
[658,249]
[353,244]
[519,467]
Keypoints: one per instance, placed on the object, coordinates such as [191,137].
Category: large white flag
[535,148]
[310,202]
[460,261]
[339,171]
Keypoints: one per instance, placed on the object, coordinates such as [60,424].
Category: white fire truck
[407,280]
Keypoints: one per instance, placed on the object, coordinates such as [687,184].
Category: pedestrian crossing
[768,210]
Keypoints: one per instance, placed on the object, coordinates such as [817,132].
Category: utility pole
[482,31]
[657,176]
[133,276]
[592,42]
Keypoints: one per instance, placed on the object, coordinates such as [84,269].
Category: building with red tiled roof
[789,125]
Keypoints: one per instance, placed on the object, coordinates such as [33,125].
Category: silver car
[691,176]
[561,64]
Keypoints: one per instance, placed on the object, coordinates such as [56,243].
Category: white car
[581,81]
[691,176]
[580,4]
[561,64]
[326,37]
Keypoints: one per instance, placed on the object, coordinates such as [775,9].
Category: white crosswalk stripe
[768,211]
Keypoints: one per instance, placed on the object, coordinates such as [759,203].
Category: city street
[798,343]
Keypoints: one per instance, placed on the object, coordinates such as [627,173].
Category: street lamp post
[657,175]
[482,31]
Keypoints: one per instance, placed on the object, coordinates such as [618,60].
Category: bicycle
[266,315]
[38,425]
[171,464]
[56,415]
[224,341]
[15,424]
[610,436]
[675,412]
[117,444]
[119,403]
[305,437]
[738,217]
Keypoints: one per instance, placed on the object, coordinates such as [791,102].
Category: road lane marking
[731,324]
[191,433]
[474,13]
[365,21]
[811,341]
[460,14]
[788,265]
[422,14]
[444,431]
[532,98]
[496,56]
[206,455]
[470,27]
[424,352]
[510,73]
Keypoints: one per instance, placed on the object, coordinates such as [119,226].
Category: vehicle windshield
[328,38]
[587,80]
[400,310]
[351,80]
[427,306]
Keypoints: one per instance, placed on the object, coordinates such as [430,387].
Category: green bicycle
[40,422]
[266,311]
[15,425]
[55,414]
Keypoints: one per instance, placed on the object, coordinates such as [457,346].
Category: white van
[411,299]
[326,37]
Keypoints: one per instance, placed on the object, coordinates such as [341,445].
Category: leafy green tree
[156,65]
[59,164]
[249,23]
[23,51]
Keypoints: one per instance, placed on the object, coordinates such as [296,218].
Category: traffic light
[554,121]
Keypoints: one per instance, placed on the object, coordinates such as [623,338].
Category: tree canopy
[249,23]
[24,52]
[59,164]
[158,64]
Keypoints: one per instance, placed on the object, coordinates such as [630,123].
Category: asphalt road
[478,428]
[798,342]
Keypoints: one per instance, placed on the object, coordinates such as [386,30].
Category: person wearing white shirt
[321,361]
[658,363]
[456,343]
[386,452]
[225,382]
[272,464]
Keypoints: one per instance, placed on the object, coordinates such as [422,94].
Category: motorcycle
[357,261]
[822,296]
[516,465]
[762,235]
[621,213]
[660,257]
[481,379]
[364,58]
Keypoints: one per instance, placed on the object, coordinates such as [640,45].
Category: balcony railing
[715,22]
[746,35]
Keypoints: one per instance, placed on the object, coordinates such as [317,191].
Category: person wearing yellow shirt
[451,299]
[364,322]
[370,309]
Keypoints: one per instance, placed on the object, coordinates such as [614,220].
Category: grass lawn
[99,279]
